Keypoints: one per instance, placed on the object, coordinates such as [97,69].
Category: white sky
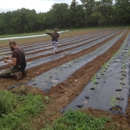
[38,5]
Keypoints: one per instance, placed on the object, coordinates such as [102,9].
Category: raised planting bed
[109,88]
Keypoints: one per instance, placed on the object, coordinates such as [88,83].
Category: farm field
[40,39]
[90,73]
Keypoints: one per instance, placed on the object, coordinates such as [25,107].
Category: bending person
[17,62]
[55,36]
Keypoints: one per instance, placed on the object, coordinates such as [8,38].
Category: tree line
[90,13]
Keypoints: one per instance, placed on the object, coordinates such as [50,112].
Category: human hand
[5,60]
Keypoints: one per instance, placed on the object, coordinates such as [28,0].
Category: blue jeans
[55,43]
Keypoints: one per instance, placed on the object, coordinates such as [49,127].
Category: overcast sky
[38,5]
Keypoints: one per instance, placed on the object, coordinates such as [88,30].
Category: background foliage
[90,13]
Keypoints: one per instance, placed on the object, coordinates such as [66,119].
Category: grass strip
[16,111]
[76,120]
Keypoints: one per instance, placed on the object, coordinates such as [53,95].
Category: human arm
[6,57]
[12,62]
[49,34]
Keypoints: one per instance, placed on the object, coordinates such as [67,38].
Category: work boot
[18,75]
[24,73]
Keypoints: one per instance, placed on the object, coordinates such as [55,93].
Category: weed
[47,77]
[34,81]
[118,94]
[113,101]
[56,70]
[102,71]
[71,63]
[7,102]
[16,111]
[76,120]
[47,99]
[105,66]
[120,86]
[94,81]
[123,66]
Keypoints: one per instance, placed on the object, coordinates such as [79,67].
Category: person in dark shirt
[17,62]
[55,37]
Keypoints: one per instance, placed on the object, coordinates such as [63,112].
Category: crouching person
[17,62]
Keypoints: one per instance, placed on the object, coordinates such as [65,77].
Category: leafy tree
[61,15]
[122,10]
[89,7]
[77,15]
[106,11]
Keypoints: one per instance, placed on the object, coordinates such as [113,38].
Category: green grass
[16,111]
[76,120]
[97,28]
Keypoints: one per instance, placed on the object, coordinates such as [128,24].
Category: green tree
[2,24]
[106,11]
[40,21]
[76,15]
[122,11]
[89,7]
[59,14]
